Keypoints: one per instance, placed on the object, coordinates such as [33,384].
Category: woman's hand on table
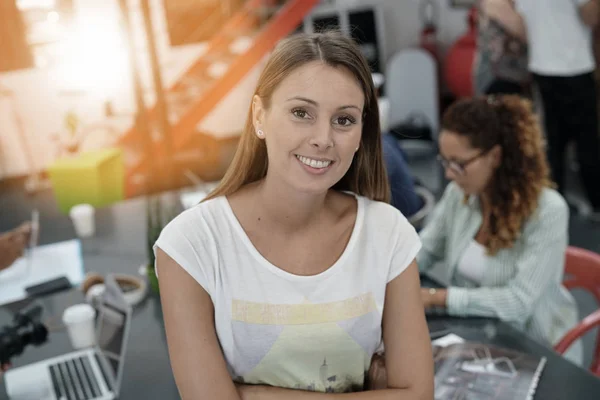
[434,297]
[377,379]
[13,244]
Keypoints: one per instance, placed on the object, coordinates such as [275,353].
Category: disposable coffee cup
[79,320]
[82,216]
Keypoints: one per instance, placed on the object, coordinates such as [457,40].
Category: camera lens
[25,330]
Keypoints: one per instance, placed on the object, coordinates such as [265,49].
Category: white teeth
[313,163]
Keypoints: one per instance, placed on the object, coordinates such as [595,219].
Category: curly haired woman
[500,229]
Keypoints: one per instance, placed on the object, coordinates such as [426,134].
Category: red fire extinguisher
[458,65]
[429,13]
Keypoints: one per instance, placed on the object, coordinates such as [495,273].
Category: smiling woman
[314,63]
[314,129]
[274,286]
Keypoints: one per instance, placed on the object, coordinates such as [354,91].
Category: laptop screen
[111,335]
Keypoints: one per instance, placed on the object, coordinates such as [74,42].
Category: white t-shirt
[473,262]
[560,44]
[306,332]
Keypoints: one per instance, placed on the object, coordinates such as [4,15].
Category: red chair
[583,266]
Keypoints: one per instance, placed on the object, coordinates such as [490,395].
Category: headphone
[134,289]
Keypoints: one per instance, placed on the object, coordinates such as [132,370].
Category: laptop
[91,374]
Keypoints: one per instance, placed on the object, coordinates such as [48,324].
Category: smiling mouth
[311,162]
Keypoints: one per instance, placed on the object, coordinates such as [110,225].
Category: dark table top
[119,246]
[560,379]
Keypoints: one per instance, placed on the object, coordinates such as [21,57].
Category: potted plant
[156,220]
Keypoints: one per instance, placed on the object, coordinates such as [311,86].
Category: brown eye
[345,120]
[299,113]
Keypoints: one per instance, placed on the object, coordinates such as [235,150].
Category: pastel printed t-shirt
[314,332]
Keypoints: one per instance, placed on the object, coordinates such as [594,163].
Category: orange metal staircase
[212,77]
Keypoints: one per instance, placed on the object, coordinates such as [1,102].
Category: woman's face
[313,126]
[471,168]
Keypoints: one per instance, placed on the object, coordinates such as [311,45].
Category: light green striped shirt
[521,285]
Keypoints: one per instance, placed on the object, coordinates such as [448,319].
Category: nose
[322,137]
[449,173]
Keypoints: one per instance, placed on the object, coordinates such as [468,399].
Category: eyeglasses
[459,167]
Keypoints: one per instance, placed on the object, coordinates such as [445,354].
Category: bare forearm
[513,23]
[273,393]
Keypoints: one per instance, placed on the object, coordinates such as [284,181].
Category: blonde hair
[366,176]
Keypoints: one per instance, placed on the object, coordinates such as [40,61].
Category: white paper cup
[82,216]
[80,322]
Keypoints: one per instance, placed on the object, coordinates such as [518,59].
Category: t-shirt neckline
[333,269]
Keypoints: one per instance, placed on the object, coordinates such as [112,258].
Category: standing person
[278,280]
[501,57]
[559,33]
[500,230]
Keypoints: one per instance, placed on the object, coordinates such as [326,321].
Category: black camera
[26,329]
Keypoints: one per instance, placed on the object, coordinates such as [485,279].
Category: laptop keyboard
[74,379]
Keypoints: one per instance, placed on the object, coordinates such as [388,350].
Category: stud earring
[260,133]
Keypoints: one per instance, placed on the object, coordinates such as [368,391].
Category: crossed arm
[504,12]
[201,373]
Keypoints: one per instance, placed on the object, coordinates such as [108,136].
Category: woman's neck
[286,209]
[482,234]
[485,205]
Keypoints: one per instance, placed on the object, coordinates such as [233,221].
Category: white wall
[402,24]
[42,104]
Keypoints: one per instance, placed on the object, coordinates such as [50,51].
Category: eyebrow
[314,103]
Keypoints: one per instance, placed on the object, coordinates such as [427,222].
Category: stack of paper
[43,264]
[447,340]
